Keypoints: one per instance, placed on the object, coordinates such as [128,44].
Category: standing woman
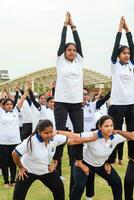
[69,88]
[122,94]
[9,137]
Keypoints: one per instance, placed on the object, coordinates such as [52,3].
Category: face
[124,55]
[85,96]
[70,52]
[8,106]
[50,104]
[42,100]
[47,133]
[107,128]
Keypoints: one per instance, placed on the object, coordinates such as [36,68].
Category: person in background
[9,137]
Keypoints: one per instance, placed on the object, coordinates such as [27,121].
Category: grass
[38,192]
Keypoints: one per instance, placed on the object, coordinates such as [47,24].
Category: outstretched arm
[63,36]
[76,36]
[117,41]
[130,41]
[126,134]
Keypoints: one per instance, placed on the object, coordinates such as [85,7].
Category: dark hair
[122,48]
[68,44]
[86,89]
[41,96]
[49,98]
[2,100]
[42,124]
[6,100]
[104,118]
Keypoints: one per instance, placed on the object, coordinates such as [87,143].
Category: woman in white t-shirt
[122,93]
[36,154]
[69,87]
[9,137]
[94,156]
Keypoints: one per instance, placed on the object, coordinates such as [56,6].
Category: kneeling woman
[37,152]
[94,156]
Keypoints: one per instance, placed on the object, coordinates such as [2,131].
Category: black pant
[51,180]
[7,162]
[129,181]
[75,112]
[80,180]
[26,130]
[119,112]
[90,185]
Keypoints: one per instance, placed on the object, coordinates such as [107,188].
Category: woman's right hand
[67,19]
[22,173]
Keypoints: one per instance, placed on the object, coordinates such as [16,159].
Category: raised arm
[63,36]
[22,99]
[130,41]
[76,36]
[101,101]
[117,41]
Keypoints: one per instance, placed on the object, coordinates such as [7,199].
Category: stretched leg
[21,187]
[76,116]
[54,183]
[90,185]
[129,181]
[80,180]
[60,113]
[117,112]
[113,180]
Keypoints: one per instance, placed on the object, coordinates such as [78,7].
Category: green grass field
[38,192]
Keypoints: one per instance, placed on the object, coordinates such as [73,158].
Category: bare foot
[120,162]
[82,166]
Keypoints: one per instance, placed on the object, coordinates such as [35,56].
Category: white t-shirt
[9,127]
[43,112]
[38,160]
[89,116]
[26,113]
[69,84]
[122,84]
[97,152]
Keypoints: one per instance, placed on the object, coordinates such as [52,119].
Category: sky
[30,32]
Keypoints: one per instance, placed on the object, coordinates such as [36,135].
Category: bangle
[72,27]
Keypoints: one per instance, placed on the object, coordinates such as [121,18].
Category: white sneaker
[88,198]
[62,178]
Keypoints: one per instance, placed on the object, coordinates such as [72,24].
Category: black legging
[7,162]
[118,112]
[75,112]
[51,180]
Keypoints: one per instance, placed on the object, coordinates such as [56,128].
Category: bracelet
[72,27]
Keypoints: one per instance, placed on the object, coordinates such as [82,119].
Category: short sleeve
[119,138]
[22,148]
[86,134]
[60,139]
